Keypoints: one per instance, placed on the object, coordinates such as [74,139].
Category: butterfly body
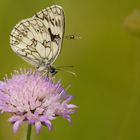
[38,39]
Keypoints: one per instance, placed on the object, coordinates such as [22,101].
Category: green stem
[29,131]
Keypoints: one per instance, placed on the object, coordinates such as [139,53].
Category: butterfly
[38,39]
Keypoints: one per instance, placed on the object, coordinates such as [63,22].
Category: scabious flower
[30,96]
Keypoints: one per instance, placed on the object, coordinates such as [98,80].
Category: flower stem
[29,131]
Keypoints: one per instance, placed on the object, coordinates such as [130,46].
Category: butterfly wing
[38,40]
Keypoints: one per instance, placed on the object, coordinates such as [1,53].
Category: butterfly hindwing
[38,39]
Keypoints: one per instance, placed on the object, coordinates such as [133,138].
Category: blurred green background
[106,60]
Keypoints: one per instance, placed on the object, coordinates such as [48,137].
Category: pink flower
[34,98]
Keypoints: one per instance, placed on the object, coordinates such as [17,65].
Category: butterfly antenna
[67,71]
[65,67]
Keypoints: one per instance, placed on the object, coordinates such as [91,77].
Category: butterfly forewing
[38,39]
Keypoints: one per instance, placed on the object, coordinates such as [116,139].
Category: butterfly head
[52,70]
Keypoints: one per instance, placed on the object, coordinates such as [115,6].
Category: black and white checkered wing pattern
[38,39]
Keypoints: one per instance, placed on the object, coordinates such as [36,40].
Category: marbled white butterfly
[38,39]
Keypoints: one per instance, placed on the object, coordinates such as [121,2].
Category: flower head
[34,98]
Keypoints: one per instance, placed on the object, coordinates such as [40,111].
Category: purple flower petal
[72,106]
[68,118]
[38,126]
[16,125]
[47,122]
